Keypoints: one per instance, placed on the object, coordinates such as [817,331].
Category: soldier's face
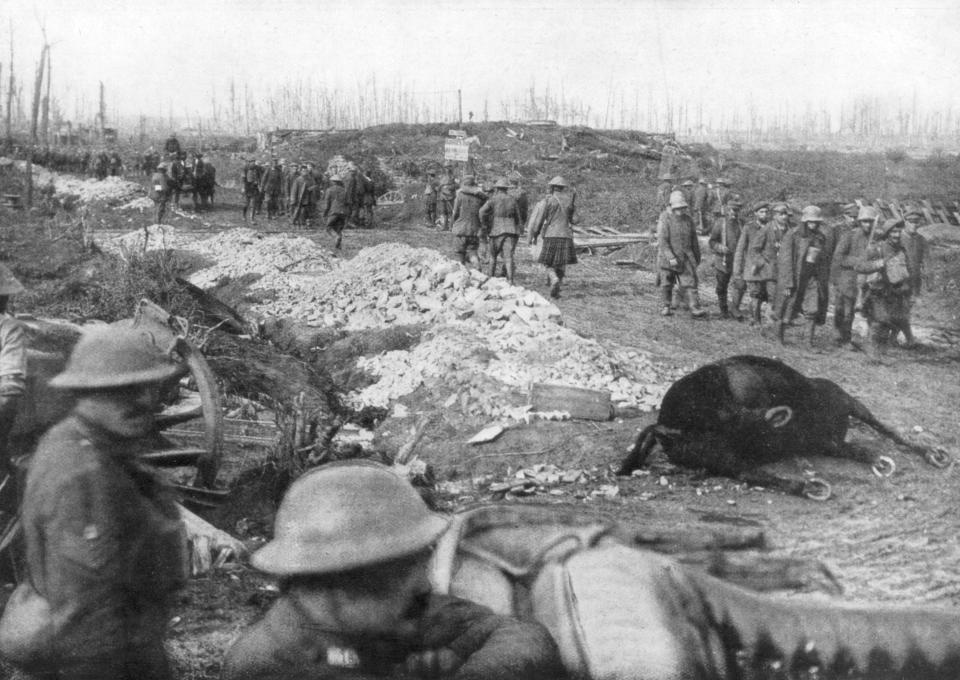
[125,411]
[866,225]
[894,236]
[911,225]
[780,216]
[388,599]
[763,215]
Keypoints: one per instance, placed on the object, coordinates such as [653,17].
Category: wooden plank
[608,241]
[579,402]
[611,231]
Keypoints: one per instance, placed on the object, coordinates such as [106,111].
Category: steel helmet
[888,226]
[347,515]
[687,183]
[558,181]
[469,181]
[9,285]
[677,200]
[502,183]
[811,213]
[337,178]
[912,212]
[667,177]
[116,356]
[851,209]
[867,212]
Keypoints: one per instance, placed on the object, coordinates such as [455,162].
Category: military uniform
[504,224]
[466,222]
[106,549]
[804,264]
[724,236]
[756,260]
[161,188]
[887,301]
[850,250]
[678,252]
[447,196]
[430,192]
[271,186]
[336,210]
[473,643]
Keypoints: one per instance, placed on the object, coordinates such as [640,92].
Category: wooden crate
[579,402]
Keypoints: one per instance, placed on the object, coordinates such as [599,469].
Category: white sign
[457,133]
[454,150]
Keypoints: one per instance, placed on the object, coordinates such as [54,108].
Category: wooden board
[579,402]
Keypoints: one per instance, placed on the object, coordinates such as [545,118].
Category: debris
[209,547]
[577,401]
[487,434]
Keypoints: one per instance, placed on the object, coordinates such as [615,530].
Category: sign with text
[454,150]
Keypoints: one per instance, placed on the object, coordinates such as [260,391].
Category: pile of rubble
[487,340]
[111,190]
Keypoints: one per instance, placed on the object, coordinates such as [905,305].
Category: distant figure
[466,221]
[271,186]
[505,227]
[300,197]
[701,219]
[447,195]
[335,210]
[250,183]
[172,145]
[663,192]
[915,246]
[161,188]
[718,197]
[430,198]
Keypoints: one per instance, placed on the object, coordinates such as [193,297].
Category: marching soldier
[554,217]
[804,264]
[755,261]
[886,303]
[851,246]
[915,246]
[161,189]
[504,216]
[678,253]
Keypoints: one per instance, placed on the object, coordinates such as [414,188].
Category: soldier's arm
[476,644]
[715,242]
[740,254]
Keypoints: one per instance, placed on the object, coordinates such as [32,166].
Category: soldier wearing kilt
[554,217]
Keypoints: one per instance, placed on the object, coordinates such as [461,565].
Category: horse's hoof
[883,466]
[939,458]
[817,489]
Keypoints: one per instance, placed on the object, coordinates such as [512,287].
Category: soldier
[13,363]
[851,246]
[686,187]
[352,548]
[161,188]
[781,224]
[915,245]
[804,263]
[271,186]
[105,547]
[554,217]
[466,221]
[678,252]
[886,303]
[335,209]
[701,218]
[172,145]
[250,182]
[724,236]
[353,189]
[755,261]
[447,195]
[300,197]
[505,227]
[430,198]
[663,192]
[523,200]
[717,198]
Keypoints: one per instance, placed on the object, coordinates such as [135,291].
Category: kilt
[557,252]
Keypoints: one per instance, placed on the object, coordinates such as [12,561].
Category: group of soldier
[874,265]
[487,221]
[298,190]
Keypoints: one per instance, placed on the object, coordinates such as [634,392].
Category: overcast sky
[156,55]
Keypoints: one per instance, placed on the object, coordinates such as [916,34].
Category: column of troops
[873,265]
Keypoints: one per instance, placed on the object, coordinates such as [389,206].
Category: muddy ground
[891,539]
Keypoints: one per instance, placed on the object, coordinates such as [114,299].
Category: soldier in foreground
[803,271]
[335,209]
[352,547]
[466,222]
[850,249]
[13,363]
[105,547]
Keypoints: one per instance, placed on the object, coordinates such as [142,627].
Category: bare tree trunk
[12,87]
[45,112]
[37,85]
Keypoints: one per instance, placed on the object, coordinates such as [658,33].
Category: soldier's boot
[693,298]
[811,332]
[735,302]
[677,301]
[666,295]
[782,332]
[755,307]
[511,271]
